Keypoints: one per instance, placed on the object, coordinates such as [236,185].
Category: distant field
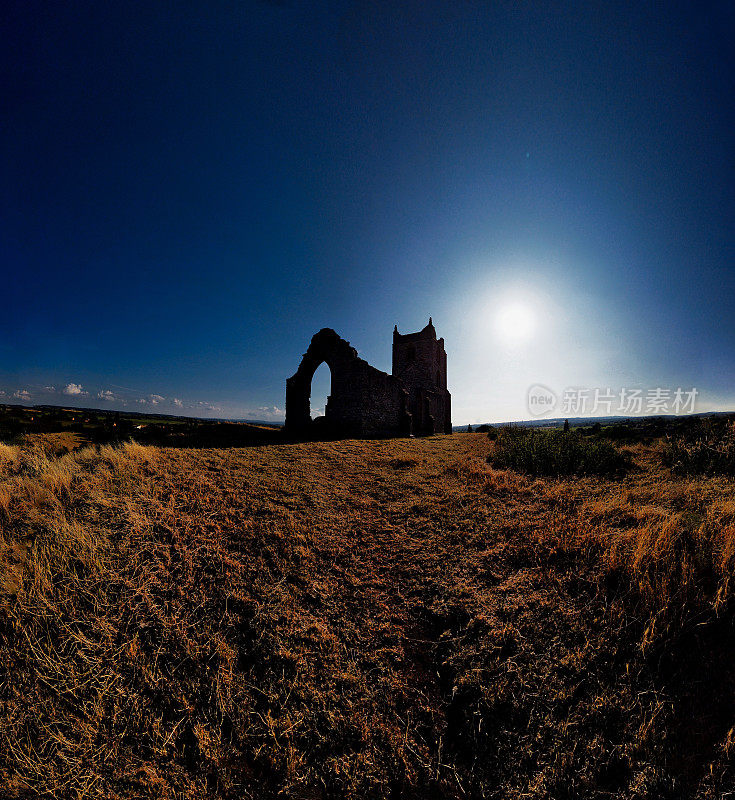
[362,619]
[83,426]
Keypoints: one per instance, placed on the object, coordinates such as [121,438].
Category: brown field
[361,619]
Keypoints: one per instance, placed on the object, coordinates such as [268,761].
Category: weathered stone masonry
[367,402]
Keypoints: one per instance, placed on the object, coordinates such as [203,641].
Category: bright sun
[515,323]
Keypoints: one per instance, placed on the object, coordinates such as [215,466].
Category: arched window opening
[321,388]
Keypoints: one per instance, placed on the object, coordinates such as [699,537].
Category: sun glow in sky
[515,322]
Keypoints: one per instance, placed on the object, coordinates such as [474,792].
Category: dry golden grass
[361,620]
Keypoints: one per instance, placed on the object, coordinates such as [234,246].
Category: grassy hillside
[372,619]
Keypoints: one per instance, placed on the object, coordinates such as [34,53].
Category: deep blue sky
[191,190]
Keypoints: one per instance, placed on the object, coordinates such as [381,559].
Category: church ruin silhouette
[367,402]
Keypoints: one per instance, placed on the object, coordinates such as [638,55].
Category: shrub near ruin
[555,452]
[707,448]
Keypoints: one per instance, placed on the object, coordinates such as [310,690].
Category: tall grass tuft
[41,498]
[707,448]
[555,452]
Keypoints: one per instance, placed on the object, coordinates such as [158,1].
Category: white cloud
[208,406]
[152,400]
[74,389]
[49,389]
[159,399]
[106,394]
[271,412]
[22,394]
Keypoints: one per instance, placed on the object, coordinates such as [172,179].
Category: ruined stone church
[367,402]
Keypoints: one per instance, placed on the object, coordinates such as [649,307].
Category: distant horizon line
[538,421]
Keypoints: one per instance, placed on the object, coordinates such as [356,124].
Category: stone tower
[420,362]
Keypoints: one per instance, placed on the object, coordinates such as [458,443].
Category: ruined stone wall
[365,401]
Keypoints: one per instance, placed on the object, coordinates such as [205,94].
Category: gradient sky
[191,190]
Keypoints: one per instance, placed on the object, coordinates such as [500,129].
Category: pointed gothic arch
[326,347]
[363,401]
